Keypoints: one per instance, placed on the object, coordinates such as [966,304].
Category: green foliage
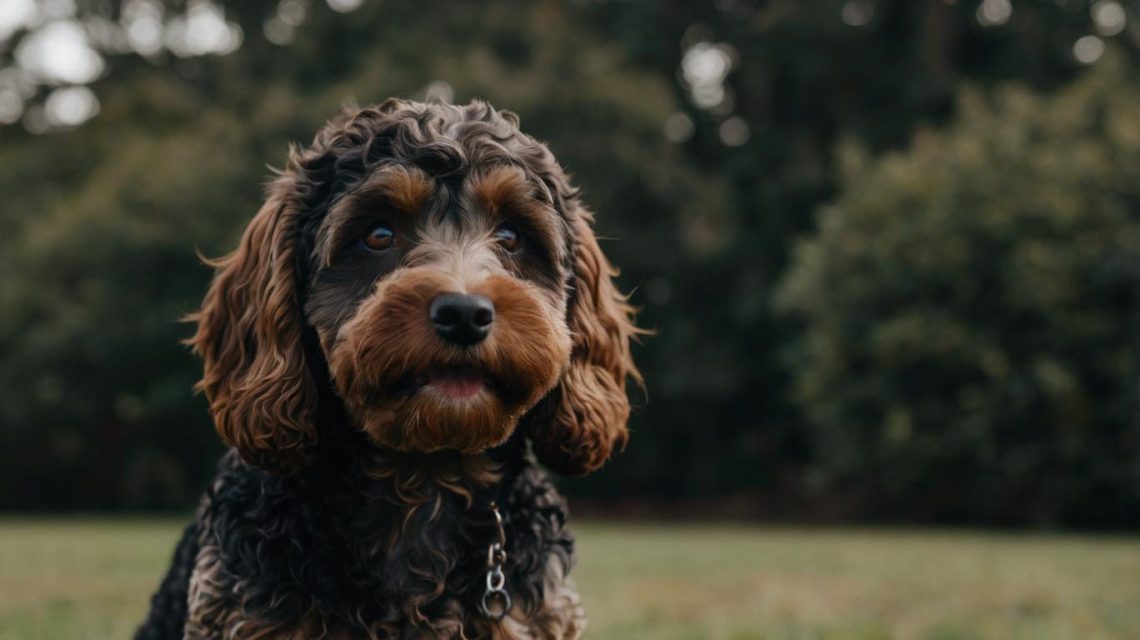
[970,311]
[718,417]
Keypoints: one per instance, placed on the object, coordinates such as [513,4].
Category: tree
[970,312]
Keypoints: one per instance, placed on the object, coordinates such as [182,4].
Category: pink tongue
[457,385]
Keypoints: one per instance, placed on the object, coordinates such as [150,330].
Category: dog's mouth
[456,384]
[449,382]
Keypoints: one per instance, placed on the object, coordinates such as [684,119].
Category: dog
[417,317]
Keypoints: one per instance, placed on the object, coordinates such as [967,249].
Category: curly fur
[390,548]
[354,503]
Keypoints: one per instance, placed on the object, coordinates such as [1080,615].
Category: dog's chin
[445,409]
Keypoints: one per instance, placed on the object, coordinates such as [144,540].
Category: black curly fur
[394,556]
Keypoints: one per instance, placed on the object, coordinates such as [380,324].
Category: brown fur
[387,340]
[403,191]
[260,390]
[584,418]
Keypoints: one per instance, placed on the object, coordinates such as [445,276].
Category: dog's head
[447,280]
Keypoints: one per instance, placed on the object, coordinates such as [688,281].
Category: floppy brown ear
[261,393]
[575,428]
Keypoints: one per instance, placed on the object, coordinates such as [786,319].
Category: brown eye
[380,237]
[508,238]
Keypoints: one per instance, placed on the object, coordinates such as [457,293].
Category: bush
[970,315]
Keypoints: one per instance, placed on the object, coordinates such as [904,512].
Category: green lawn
[88,578]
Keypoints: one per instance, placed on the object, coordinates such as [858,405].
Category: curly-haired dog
[420,297]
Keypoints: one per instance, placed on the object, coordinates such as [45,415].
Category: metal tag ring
[496,580]
[495,614]
[495,555]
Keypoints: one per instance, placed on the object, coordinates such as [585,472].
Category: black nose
[461,318]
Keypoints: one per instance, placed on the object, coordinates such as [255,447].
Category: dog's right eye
[379,238]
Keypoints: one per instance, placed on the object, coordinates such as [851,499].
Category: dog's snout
[462,319]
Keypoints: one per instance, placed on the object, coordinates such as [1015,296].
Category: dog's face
[440,304]
[448,282]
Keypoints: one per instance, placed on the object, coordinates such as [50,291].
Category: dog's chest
[217,609]
[272,562]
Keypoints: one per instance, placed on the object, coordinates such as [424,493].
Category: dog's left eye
[379,238]
[508,238]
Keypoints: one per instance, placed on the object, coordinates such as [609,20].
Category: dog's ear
[576,426]
[261,392]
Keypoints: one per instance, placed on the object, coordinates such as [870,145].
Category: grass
[91,578]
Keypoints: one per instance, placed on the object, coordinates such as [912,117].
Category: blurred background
[890,250]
